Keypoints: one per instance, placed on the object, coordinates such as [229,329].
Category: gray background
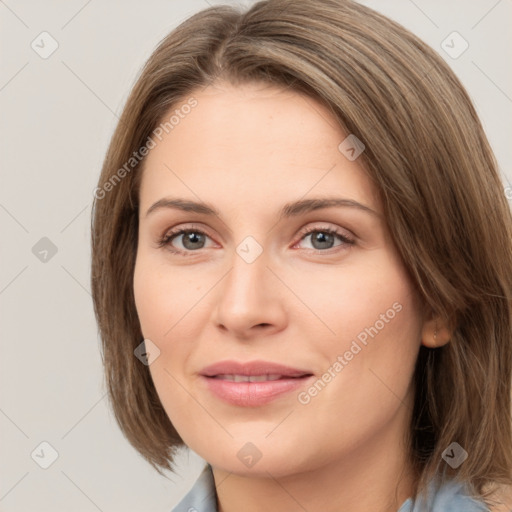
[57,116]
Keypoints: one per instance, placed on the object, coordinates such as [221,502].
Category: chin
[259,456]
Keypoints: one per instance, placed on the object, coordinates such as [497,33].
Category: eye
[191,240]
[194,239]
[323,238]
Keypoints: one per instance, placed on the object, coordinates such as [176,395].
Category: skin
[248,150]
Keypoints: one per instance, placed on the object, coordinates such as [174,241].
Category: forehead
[252,142]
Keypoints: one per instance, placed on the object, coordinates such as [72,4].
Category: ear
[436,332]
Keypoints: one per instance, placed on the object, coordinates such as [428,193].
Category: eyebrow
[292,209]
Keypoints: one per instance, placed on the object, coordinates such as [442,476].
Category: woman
[302,267]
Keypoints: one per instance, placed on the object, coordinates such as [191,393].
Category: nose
[250,299]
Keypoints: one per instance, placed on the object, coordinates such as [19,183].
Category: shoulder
[450,496]
[454,496]
[501,499]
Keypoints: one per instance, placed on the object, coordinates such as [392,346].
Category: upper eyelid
[199,227]
[178,230]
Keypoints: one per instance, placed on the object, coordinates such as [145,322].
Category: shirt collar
[451,496]
[202,497]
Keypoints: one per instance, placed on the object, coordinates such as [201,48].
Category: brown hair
[435,172]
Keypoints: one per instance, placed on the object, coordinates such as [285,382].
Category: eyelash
[165,241]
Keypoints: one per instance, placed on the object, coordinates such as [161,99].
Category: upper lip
[252,368]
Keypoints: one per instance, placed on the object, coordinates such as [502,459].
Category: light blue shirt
[451,497]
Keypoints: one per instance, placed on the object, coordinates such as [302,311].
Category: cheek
[379,327]
[145,293]
[170,312]
[371,384]
[159,309]
[374,318]
[377,292]
[160,297]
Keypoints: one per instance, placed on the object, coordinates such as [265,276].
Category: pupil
[325,240]
[191,238]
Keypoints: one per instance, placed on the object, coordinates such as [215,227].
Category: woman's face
[287,331]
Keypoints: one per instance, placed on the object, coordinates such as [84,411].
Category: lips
[252,368]
[254,383]
[248,378]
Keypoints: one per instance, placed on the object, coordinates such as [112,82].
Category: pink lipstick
[253,383]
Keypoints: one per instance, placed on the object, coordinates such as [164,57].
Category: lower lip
[253,394]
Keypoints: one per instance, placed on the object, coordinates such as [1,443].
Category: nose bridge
[246,281]
[248,263]
[248,296]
